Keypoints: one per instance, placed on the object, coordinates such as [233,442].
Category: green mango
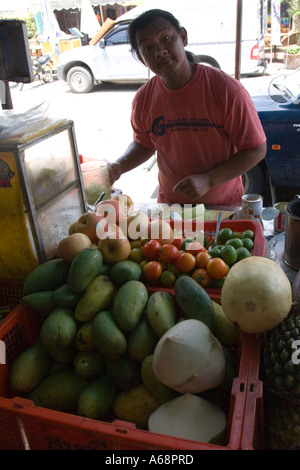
[63,355]
[161,312]
[63,296]
[194,301]
[125,270]
[84,339]
[124,372]
[42,302]
[129,304]
[88,364]
[141,341]
[135,405]
[159,391]
[97,398]
[59,329]
[59,391]
[29,368]
[47,276]
[84,268]
[107,337]
[98,295]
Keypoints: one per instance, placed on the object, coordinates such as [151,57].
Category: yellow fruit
[135,406]
[225,331]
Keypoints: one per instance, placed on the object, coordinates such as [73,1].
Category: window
[118,36]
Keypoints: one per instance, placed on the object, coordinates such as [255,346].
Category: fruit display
[163,251]
[130,330]
[99,352]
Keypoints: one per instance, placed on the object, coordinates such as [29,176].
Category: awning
[13,6]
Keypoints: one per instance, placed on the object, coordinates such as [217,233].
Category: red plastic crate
[253,434]
[263,405]
[259,248]
[11,292]
[24,425]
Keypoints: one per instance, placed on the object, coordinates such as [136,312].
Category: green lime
[248,243]
[215,252]
[219,247]
[167,278]
[235,242]
[242,253]
[248,234]
[229,254]
[224,235]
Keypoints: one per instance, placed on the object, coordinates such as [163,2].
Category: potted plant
[292,57]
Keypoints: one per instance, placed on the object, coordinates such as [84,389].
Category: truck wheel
[254,181]
[80,80]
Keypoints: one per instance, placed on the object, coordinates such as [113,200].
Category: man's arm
[195,186]
[134,156]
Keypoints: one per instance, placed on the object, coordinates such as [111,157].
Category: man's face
[161,48]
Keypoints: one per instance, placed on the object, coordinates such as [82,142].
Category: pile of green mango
[99,328]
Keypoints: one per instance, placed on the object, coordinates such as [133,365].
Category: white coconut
[188,358]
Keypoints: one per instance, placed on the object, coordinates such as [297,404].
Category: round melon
[256,294]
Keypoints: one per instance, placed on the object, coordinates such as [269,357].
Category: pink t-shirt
[194,129]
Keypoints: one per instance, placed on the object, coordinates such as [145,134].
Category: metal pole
[8,101]
[238,40]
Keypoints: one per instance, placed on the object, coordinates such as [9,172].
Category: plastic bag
[24,126]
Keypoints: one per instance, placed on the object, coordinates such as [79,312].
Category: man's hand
[114,172]
[193,187]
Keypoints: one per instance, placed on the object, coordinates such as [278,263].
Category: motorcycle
[43,68]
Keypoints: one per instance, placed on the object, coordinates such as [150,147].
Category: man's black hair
[144,19]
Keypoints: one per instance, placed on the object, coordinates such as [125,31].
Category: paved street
[102,121]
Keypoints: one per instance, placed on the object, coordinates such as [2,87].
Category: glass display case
[41,194]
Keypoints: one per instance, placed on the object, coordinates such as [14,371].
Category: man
[201,122]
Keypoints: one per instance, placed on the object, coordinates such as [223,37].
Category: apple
[162,231]
[114,249]
[72,228]
[108,230]
[68,247]
[112,210]
[136,226]
[126,202]
[87,224]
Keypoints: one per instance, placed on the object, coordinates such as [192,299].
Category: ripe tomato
[152,270]
[202,259]
[185,262]
[194,247]
[201,276]
[217,268]
[151,249]
[169,253]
